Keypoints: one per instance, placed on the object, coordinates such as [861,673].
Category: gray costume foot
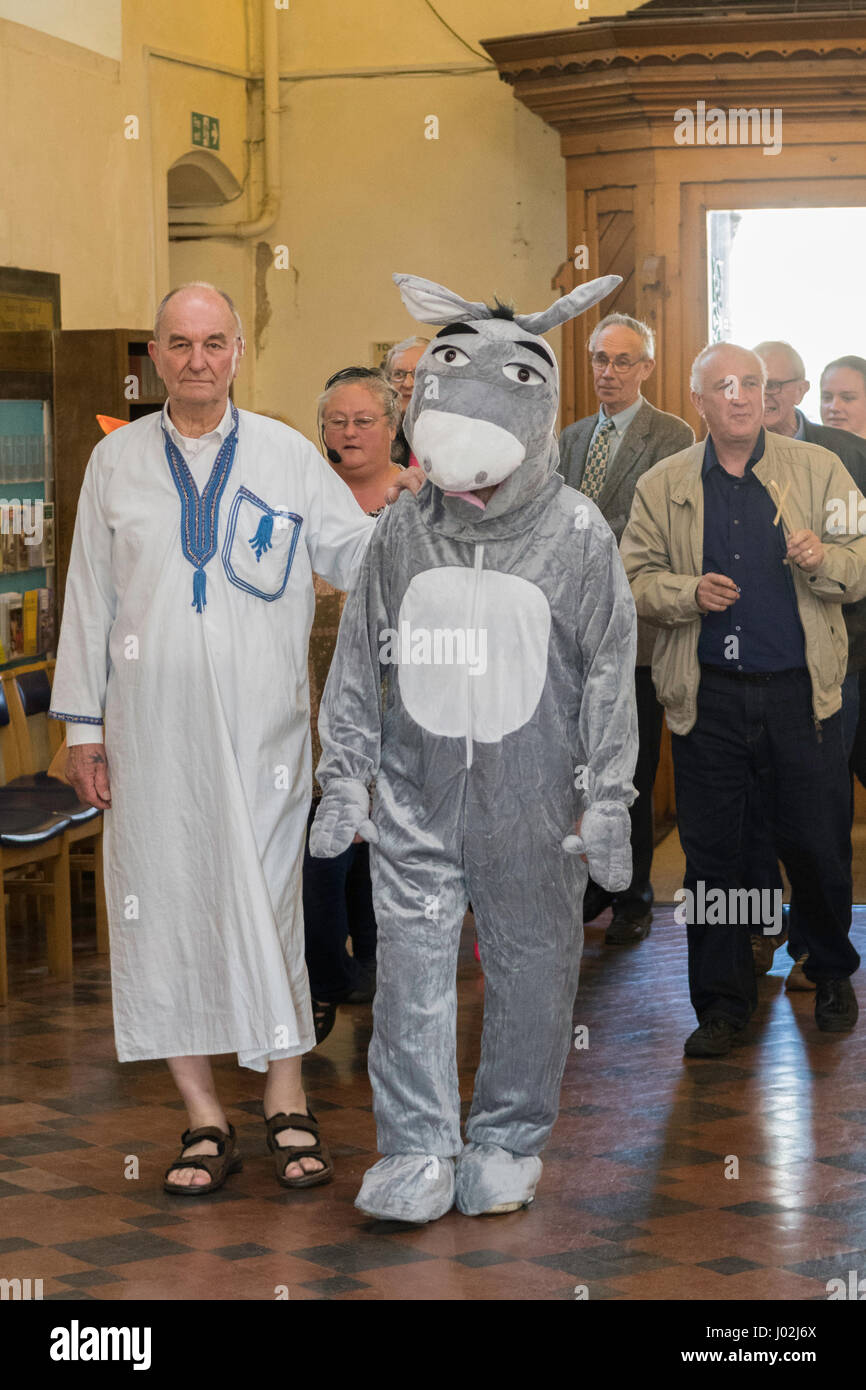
[490,1179]
[408,1187]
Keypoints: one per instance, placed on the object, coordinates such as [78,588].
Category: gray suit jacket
[652,436]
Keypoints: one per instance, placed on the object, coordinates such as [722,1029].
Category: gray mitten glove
[605,839]
[344,811]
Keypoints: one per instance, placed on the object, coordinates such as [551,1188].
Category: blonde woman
[359,415]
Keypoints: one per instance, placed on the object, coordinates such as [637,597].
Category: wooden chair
[32,838]
[85,841]
[28,839]
[41,762]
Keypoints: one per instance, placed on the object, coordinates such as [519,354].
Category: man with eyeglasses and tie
[399,367]
[603,456]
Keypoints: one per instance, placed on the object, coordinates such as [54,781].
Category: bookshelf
[53,384]
[27,557]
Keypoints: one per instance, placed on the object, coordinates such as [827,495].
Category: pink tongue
[469,497]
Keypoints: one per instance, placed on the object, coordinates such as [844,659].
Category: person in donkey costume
[483,678]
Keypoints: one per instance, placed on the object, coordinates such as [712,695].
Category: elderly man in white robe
[188,608]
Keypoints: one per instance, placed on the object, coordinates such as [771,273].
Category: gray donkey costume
[484,677]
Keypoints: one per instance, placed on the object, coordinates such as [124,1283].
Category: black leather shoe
[324,1018]
[365,988]
[595,900]
[836,1007]
[628,926]
[712,1039]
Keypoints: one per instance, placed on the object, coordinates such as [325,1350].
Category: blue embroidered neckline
[199,513]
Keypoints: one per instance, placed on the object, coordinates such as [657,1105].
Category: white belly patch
[471,651]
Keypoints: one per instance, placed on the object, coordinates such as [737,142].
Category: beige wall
[482,209]
[79,198]
[363,192]
[69,178]
[93,24]
[348,33]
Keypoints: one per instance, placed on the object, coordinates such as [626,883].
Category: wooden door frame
[696,200]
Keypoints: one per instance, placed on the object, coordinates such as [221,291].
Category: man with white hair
[399,367]
[731,550]
[185,628]
[784,390]
[603,455]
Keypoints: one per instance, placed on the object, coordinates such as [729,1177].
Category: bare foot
[300,1138]
[196,1177]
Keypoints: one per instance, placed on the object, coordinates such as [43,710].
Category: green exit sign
[205,131]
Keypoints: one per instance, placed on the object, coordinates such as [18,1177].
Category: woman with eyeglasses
[359,415]
[399,367]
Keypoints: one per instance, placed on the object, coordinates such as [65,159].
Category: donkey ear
[569,306]
[431,303]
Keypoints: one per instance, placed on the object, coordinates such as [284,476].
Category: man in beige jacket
[735,550]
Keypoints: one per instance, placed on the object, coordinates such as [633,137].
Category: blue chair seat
[23,822]
[52,795]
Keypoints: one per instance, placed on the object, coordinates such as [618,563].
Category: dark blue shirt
[740,541]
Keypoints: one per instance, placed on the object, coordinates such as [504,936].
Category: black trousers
[650,714]
[761,867]
[338,905]
[858,752]
[763,734]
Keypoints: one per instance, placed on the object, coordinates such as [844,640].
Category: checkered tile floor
[638,1200]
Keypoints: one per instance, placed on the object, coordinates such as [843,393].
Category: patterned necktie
[596,464]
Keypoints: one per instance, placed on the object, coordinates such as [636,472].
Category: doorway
[795,274]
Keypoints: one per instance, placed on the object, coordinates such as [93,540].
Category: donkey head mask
[487,390]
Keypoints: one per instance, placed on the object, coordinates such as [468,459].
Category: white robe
[207,733]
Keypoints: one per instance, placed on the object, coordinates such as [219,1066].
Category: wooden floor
[669,864]
[637,1200]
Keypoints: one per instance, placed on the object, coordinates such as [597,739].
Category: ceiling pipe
[194,231]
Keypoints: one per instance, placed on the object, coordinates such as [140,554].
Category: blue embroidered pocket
[259,546]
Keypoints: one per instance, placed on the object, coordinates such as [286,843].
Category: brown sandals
[226,1160]
[293,1152]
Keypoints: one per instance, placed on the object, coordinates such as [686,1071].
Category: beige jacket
[662,550]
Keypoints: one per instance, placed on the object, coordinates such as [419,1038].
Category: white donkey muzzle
[460,454]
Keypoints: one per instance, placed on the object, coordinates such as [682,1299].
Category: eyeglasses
[772,388]
[360,422]
[399,376]
[601,362]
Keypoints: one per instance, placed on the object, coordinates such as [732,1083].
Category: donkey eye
[519,371]
[451,356]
